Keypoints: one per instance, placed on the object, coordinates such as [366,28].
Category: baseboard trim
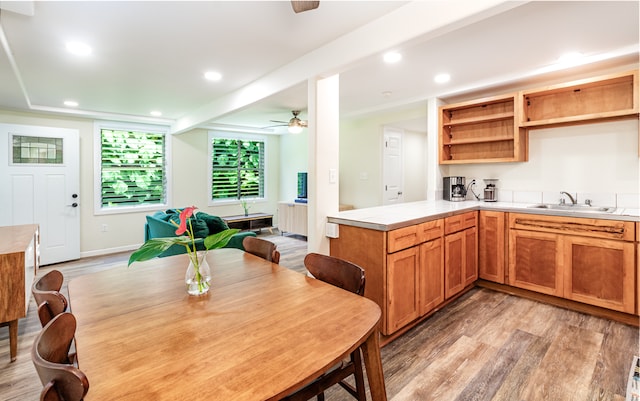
[109,251]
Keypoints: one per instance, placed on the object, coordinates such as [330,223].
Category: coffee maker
[454,189]
[490,191]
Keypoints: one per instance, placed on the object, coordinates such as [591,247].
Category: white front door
[392,166]
[39,180]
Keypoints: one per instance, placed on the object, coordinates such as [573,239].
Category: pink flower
[184,215]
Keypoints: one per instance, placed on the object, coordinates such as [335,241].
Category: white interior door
[39,177]
[392,166]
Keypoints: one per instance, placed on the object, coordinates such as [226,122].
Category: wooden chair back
[350,277]
[46,292]
[50,356]
[338,272]
[262,248]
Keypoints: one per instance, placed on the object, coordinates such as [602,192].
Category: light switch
[333,176]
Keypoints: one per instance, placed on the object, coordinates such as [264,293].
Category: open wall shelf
[496,129]
[481,131]
[581,101]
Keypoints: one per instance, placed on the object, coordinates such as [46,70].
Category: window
[237,167]
[36,150]
[132,171]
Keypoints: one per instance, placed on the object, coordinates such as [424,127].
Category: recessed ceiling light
[392,57]
[570,58]
[71,103]
[79,48]
[387,93]
[212,76]
[442,78]
[156,113]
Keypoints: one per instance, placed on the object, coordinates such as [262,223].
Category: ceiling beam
[416,20]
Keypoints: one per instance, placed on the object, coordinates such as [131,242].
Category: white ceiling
[152,55]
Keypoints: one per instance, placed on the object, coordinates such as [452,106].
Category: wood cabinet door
[454,260]
[470,256]
[491,246]
[600,272]
[431,275]
[402,288]
[535,261]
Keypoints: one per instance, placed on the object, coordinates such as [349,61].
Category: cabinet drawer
[430,230]
[402,238]
[596,228]
[460,222]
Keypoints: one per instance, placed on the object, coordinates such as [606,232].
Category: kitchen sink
[574,208]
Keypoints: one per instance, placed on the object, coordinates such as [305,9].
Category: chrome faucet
[573,201]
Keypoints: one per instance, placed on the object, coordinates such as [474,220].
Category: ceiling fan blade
[281,122]
[273,126]
[301,6]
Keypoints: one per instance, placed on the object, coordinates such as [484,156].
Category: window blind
[132,168]
[237,169]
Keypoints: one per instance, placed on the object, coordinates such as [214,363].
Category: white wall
[361,156]
[295,159]
[190,175]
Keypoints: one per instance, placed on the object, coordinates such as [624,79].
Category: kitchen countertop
[391,217]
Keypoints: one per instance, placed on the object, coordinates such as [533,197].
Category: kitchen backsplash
[621,200]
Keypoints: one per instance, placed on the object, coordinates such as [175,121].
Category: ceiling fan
[295,124]
[301,6]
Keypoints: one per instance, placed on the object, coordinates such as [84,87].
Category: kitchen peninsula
[420,256]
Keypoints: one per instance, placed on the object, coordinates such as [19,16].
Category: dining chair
[262,248]
[60,378]
[46,292]
[350,277]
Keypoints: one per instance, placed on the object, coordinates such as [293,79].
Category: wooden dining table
[261,332]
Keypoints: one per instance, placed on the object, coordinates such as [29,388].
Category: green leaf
[155,246]
[220,239]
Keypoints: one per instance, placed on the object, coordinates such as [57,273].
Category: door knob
[74,204]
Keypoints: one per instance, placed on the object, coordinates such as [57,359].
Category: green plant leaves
[155,246]
[220,239]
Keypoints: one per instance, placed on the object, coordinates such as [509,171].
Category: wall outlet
[104,228]
[332,230]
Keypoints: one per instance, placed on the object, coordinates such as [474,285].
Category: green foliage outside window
[132,168]
[237,169]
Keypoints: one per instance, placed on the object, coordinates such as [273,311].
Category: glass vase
[198,276]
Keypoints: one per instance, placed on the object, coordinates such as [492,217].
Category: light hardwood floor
[485,346]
